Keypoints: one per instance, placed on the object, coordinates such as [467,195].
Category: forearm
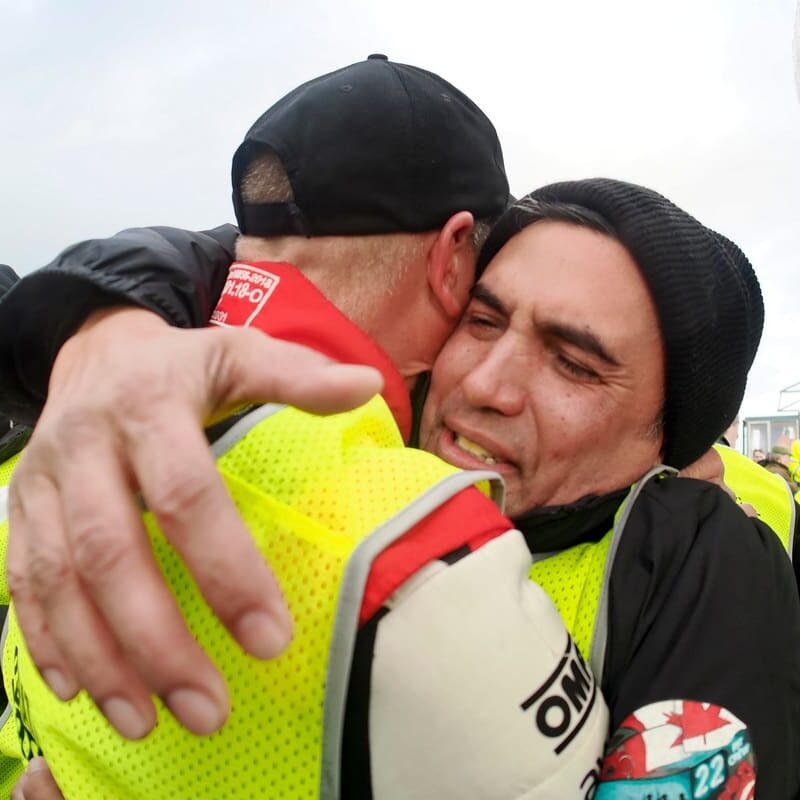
[176,274]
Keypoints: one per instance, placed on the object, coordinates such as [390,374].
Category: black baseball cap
[376,147]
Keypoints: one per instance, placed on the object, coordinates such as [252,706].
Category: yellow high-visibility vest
[321,497]
[767,492]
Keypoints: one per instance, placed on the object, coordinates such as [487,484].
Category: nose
[496,382]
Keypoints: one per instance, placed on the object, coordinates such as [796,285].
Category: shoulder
[487,643]
[688,549]
[697,582]
[703,605]
[688,520]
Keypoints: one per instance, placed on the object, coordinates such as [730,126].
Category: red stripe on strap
[469,518]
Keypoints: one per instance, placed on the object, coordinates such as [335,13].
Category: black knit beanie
[706,295]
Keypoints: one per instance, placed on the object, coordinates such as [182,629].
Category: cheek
[567,414]
[586,442]
[455,360]
[445,377]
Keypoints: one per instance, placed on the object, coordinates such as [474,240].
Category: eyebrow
[483,295]
[584,339]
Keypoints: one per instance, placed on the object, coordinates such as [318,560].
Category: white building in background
[766,433]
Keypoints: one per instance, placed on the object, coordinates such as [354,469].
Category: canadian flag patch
[679,749]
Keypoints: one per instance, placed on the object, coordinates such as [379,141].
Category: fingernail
[196,711]
[37,764]
[262,635]
[125,717]
[62,687]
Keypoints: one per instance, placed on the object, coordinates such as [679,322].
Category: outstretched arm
[129,398]
[127,401]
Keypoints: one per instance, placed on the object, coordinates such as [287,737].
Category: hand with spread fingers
[123,425]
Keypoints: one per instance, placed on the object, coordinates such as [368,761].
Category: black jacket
[703,606]
[703,602]
[178,274]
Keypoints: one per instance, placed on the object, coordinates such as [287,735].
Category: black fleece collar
[555,528]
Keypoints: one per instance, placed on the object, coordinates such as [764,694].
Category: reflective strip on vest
[349,605]
[597,655]
[577,580]
[6,470]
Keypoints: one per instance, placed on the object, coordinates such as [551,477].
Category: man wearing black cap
[680,628]
[309,487]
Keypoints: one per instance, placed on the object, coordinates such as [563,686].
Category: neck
[330,263]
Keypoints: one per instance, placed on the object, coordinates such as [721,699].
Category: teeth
[476,450]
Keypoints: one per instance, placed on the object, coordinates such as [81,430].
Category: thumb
[249,366]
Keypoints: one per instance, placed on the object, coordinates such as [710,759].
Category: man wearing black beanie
[571,387]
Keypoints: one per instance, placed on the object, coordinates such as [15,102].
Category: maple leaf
[696,720]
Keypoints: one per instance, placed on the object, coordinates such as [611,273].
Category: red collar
[279,300]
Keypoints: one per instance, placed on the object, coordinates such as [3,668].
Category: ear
[451,264]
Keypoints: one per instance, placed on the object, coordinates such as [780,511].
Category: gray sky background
[121,114]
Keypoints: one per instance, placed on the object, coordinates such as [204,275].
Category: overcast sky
[127,113]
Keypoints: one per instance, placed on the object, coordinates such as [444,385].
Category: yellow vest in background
[767,492]
[311,490]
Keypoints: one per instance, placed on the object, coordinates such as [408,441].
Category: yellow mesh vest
[11,765]
[5,477]
[310,489]
[577,580]
[574,578]
[768,493]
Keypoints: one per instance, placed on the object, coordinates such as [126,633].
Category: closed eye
[480,320]
[482,325]
[576,369]
[582,339]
